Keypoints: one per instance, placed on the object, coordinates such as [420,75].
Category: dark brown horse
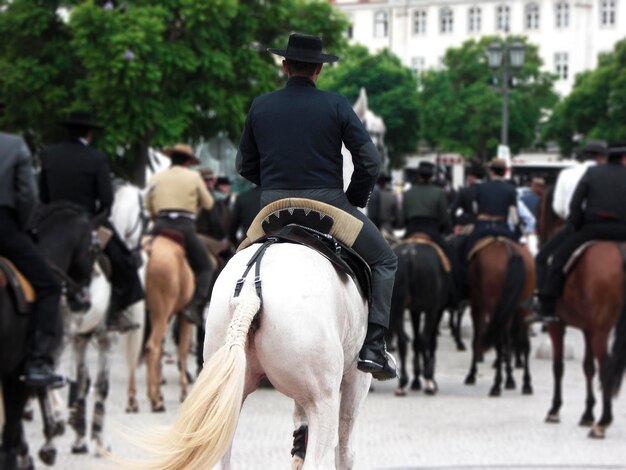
[502,279]
[593,302]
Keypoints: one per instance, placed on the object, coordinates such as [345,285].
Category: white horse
[306,340]
[127,218]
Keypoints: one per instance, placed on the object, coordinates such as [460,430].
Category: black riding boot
[38,371]
[374,357]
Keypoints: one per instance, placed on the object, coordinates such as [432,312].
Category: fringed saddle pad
[19,285]
[425,240]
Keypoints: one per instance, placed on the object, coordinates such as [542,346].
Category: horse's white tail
[207,419]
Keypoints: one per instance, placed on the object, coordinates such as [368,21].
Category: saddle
[573,259]
[485,242]
[426,240]
[23,291]
[319,226]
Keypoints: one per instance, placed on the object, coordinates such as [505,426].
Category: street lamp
[505,56]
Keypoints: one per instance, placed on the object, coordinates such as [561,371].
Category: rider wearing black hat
[74,171]
[291,147]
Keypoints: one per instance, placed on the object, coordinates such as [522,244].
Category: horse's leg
[496,389]
[557,332]
[102,391]
[527,387]
[429,335]
[300,435]
[14,397]
[323,416]
[476,346]
[132,348]
[418,346]
[589,368]
[78,419]
[508,351]
[397,325]
[354,387]
[153,358]
[456,332]
[184,340]
[599,347]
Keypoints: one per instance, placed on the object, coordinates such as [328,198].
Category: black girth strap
[255,260]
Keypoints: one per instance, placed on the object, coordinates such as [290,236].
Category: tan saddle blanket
[426,240]
[13,279]
[573,259]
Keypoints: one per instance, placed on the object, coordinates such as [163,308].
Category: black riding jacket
[292,140]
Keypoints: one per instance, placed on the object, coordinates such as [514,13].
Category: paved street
[461,427]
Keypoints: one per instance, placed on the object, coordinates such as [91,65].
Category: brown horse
[169,288]
[501,279]
[592,301]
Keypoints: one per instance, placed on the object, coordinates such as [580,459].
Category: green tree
[391,90]
[159,72]
[460,112]
[596,107]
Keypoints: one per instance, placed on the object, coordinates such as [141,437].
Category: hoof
[399,392]
[597,432]
[527,390]
[160,408]
[586,420]
[102,451]
[416,385]
[461,347]
[48,455]
[430,388]
[510,385]
[553,418]
[81,449]
[134,408]
[297,463]
[469,380]
[495,392]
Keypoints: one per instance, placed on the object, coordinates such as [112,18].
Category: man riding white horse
[291,147]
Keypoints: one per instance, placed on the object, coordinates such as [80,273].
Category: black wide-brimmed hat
[593,148]
[426,169]
[617,149]
[81,119]
[304,48]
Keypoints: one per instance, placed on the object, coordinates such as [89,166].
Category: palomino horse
[304,337]
[593,301]
[65,240]
[501,278]
[169,288]
[422,286]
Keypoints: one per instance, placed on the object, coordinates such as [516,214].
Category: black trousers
[196,252]
[547,250]
[22,252]
[127,288]
[555,279]
[369,244]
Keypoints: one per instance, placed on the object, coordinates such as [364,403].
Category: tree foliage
[461,112]
[153,72]
[596,107]
[391,90]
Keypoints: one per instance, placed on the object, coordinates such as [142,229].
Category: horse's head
[66,239]
[128,214]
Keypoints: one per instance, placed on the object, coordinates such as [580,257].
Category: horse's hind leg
[418,347]
[496,389]
[589,368]
[354,388]
[14,446]
[78,419]
[322,411]
[599,346]
[102,391]
[429,338]
[301,426]
[153,360]
[184,340]
[556,331]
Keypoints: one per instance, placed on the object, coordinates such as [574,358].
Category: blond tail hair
[207,419]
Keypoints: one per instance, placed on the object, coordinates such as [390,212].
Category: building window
[562,15]
[474,19]
[418,64]
[503,18]
[607,12]
[446,20]
[419,22]
[532,16]
[381,24]
[561,65]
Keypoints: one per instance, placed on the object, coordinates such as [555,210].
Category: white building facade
[570,34]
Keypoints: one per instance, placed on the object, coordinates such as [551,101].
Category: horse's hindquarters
[13,333]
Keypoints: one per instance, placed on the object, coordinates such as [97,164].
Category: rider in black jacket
[291,147]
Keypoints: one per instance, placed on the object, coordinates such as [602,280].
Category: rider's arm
[25,187]
[365,156]
[576,208]
[205,198]
[442,211]
[559,201]
[248,160]
[105,188]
